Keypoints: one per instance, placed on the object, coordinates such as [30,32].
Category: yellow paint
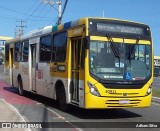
[94,102]
[60,27]
[54,71]
[121,40]
[75,32]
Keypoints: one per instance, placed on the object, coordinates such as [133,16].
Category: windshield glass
[119,61]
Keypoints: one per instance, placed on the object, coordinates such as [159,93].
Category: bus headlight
[93,90]
[149,91]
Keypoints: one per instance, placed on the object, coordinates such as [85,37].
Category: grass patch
[156,92]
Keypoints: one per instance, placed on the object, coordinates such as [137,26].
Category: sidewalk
[9,114]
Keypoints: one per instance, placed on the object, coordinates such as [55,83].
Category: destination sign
[119,28]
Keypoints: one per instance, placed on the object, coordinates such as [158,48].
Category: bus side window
[17,52]
[59,47]
[45,48]
[25,48]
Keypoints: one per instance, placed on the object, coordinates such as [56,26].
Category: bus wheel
[20,87]
[62,99]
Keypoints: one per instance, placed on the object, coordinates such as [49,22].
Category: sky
[35,14]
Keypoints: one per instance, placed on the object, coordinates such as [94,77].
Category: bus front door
[33,67]
[76,72]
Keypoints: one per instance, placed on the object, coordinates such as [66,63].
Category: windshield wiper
[132,49]
[113,46]
[114,49]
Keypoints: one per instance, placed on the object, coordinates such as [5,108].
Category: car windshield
[120,61]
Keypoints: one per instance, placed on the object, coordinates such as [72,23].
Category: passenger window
[45,48]
[25,48]
[17,52]
[59,47]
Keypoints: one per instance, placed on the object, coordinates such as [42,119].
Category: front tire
[20,87]
[62,100]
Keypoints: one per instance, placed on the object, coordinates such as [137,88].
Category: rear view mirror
[86,41]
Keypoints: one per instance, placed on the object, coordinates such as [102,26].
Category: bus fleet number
[111,91]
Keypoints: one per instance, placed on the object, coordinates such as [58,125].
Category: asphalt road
[40,109]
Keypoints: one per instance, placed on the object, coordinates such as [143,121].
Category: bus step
[75,103]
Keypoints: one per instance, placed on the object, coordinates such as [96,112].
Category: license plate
[124,101]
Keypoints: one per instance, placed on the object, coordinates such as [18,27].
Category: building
[156,65]
[2,47]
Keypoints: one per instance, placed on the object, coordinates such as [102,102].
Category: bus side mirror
[86,41]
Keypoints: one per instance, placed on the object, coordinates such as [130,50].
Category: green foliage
[156,92]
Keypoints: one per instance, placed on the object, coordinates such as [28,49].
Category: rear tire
[20,87]
[62,99]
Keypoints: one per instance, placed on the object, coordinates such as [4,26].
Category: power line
[34,11]
[9,17]
[40,12]
[30,8]
[43,14]
[11,9]
[59,3]
[16,18]
[20,13]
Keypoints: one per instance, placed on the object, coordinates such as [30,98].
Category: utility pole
[19,29]
[59,3]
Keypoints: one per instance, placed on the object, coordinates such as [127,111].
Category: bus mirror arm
[86,41]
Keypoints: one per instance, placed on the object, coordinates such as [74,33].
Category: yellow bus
[92,63]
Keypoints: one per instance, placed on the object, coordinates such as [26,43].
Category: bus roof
[67,25]
[13,40]
[38,32]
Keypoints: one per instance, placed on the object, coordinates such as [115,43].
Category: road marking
[58,115]
[156,98]
[63,118]
[17,112]
[76,128]
[156,104]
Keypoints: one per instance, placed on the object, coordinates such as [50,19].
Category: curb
[156,100]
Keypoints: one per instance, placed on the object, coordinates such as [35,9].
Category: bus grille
[117,104]
[125,94]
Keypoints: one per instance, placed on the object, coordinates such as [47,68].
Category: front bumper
[94,102]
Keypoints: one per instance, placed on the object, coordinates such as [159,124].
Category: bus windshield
[131,62]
